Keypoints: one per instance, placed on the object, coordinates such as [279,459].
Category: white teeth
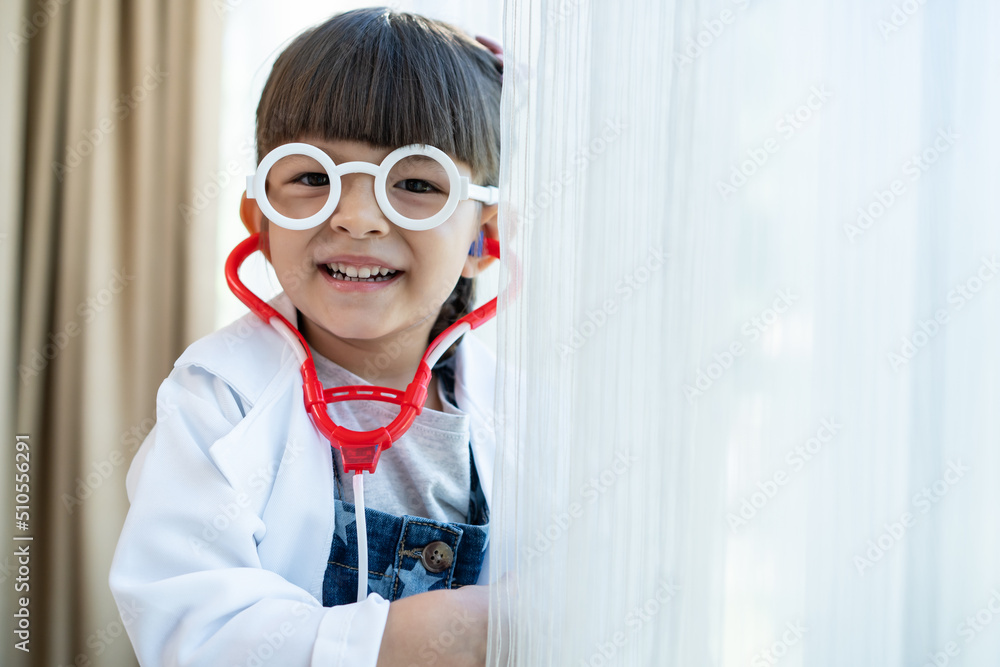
[360,273]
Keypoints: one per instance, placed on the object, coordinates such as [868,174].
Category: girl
[239,546]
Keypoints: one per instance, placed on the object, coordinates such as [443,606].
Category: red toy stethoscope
[360,450]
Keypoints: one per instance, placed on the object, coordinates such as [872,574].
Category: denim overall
[407,554]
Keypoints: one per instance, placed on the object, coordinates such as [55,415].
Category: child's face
[428,262]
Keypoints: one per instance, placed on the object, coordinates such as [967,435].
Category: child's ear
[253,220]
[250,214]
[491,230]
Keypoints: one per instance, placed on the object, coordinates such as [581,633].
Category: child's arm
[448,627]
[187,574]
[445,628]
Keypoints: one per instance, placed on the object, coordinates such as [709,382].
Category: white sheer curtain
[749,361]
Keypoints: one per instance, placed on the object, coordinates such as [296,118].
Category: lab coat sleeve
[187,575]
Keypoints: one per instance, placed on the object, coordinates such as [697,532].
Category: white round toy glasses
[417,187]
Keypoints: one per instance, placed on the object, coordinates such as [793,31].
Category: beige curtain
[109,129]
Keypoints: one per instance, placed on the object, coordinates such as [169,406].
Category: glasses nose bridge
[349,190]
[358,168]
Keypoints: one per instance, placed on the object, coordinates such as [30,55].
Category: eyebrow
[339,159]
[335,155]
[421,158]
[412,158]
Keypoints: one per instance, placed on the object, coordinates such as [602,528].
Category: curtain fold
[749,371]
[121,113]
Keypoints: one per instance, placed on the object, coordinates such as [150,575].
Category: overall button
[437,557]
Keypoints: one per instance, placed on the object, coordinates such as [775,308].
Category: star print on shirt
[340,529]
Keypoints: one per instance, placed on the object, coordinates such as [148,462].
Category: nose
[357,212]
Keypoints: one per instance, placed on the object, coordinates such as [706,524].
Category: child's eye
[314,180]
[416,185]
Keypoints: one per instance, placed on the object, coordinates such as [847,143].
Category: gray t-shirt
[425,473]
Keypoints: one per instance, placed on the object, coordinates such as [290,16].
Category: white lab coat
[222,556]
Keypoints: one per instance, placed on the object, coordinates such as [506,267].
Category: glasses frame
[459,190]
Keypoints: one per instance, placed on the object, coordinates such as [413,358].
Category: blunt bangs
[388,79]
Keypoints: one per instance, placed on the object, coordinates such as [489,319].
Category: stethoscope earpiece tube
[362,527]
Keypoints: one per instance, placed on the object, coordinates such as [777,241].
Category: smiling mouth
[336,274]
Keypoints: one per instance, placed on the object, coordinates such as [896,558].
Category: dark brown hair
[389,79]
